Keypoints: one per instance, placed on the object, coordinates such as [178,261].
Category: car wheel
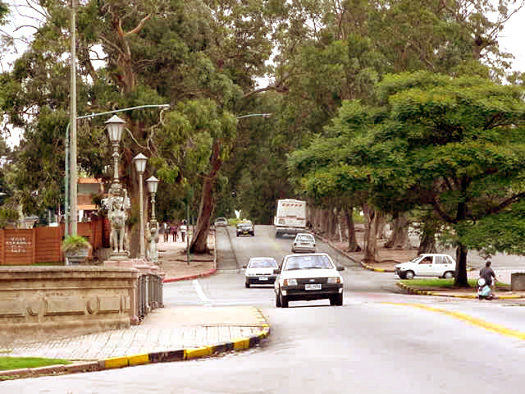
[336,300]
[409,275]
[284,301]
[402,275]
[247,284]
[277,235]
[278,300]
[448,275]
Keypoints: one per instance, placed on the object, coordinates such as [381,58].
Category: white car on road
[311,276]
[260,271]
[429,264]
[303,242]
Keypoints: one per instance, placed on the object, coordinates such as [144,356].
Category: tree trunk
[428,239]
[353,246]
[461,266]
[399,237]
[199,243]
[372,229]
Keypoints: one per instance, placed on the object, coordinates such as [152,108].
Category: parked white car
[429,264]
[303,242]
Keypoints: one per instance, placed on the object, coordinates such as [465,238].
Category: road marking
[469,319]
[200,292]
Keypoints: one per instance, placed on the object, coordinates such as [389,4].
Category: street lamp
[140,165]
[153,184]
[115,125]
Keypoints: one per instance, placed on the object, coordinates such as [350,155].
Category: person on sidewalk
[162,231]
[173,232]
[166,231]
[487,273]
[183,230]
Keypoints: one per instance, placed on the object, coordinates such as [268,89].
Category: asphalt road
[379,341]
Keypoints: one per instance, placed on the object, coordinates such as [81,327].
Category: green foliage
[74,243]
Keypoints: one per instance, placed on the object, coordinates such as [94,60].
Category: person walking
[183,230]
[165,230]
[173,232]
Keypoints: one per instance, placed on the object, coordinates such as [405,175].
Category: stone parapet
[51,302]
[517,281]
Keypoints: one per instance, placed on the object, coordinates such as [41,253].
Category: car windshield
[245,224]
[308,262]
[269,263]
[305,238]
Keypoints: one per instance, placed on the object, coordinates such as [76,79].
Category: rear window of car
[305,238]
[262,264]
[308,262]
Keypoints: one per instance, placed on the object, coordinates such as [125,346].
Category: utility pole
[73,121]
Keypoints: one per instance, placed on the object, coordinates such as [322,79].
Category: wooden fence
[43,244]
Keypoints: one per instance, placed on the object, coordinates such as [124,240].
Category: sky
[511,40]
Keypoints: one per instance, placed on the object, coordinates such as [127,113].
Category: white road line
[200,292]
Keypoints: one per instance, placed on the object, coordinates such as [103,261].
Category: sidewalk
[171,333]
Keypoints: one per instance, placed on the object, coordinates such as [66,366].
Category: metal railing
[149,294]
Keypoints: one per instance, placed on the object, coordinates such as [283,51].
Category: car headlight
[290,282]
[334,280]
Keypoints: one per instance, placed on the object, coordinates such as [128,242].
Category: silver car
[303,242]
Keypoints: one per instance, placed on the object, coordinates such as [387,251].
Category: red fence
[43,244]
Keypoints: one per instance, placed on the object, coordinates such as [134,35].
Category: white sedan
[303,242]
[260,270]
[429,264]
[311,276]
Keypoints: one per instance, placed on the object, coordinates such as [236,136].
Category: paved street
[379,341]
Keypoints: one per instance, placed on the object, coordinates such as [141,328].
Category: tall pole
[73,121]
[141,196]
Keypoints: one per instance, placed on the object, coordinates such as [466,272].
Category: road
[379,341]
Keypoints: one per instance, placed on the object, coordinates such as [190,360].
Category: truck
[290,217]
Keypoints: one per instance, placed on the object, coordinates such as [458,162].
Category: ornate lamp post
[115,125]
[153,184]
[153,227]
[140,165]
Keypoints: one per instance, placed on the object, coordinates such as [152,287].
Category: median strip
[469,319]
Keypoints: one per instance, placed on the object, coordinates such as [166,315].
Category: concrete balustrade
[517,281]
[38,302]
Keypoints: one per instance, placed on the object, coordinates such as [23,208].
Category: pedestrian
[183,230]
[173,232]
[165,231]
[487,273]
[162,230]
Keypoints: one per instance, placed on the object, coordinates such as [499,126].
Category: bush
[74,243]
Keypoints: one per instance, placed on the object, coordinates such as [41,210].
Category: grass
[438,283]
[7,363]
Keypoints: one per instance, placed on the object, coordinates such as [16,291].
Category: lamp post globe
[140,165]
[115,125]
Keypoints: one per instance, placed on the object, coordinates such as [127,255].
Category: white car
[429,264]
[260,270]
[303,242]
[311,276]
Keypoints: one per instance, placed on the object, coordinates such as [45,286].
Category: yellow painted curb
[241,343]
[197,352]
[469,319]
[116,362]
[138,359]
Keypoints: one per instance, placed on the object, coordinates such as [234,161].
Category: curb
[202,274]
[189,277]
[236,344]
[370,268]
[411,290]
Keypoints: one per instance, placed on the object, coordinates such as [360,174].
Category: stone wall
[517,281]
[51,302]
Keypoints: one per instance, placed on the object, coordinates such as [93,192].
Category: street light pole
[140,165]
[73,117]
